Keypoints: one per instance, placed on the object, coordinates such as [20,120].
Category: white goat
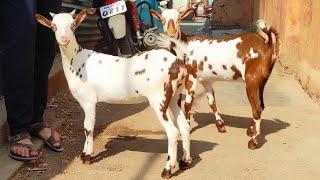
[248,56]
[94,77]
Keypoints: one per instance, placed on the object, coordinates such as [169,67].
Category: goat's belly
[132,100]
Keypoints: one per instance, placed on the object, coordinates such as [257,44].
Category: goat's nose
[171,33]
[63,39]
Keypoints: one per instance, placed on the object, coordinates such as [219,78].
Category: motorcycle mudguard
[117,25]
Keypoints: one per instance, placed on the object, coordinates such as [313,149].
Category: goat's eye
[53,27]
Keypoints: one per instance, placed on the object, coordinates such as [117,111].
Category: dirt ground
[130,143]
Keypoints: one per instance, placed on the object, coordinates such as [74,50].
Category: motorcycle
[120,26]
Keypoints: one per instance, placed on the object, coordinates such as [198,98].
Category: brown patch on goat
[213,72]
[174,71]
[137,91]
[140,72]
[205,58]
[191,52]
[83,65]
[224,67]
[210,66]
[146,56]
[236,71]
[192,68]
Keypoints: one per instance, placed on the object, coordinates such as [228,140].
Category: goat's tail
[175,46]
[271,32]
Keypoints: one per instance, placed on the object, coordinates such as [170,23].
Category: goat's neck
[71,50]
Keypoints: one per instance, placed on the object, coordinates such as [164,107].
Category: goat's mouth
[64,43]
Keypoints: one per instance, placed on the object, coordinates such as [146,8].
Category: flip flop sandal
[14,142]
[36,128]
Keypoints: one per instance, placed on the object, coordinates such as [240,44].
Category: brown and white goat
[171,19]
[248,56]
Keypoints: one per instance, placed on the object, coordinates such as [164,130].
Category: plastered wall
[298,24]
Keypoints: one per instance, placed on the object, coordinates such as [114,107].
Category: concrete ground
[130,143]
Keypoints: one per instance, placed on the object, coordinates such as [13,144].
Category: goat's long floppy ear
[81,16]
[185,14]
[156,15]
[42,20]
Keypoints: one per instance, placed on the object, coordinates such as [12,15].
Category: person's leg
[18,66]
[45,53]
[18,61]
[44,56]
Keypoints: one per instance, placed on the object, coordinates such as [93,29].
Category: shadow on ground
[267,126]
[67,110]
[131,143]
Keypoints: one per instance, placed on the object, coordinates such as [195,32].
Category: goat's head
[170,18]
[63,24]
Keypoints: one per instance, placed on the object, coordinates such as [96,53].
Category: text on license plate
[113,9]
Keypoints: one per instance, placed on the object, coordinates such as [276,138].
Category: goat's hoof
[251,131]
[253,143]
[220,126]
[166,174]
[184,165]
[86,159]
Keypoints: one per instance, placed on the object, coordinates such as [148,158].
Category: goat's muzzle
[64,41]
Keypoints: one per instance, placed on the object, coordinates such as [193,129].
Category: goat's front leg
[172,133]
[212,103]
[89,121]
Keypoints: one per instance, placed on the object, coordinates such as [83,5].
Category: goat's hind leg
[212,103]
[89,121]
[254,96]
[184,128]
[172,133]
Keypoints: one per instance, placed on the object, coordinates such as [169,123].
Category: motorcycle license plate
[113,9]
